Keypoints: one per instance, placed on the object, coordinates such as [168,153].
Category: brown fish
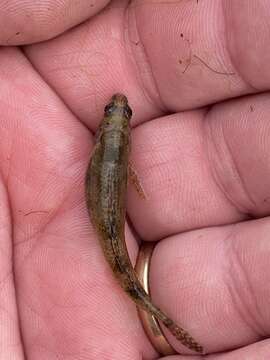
[106,188]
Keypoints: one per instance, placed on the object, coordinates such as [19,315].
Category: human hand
[203,164]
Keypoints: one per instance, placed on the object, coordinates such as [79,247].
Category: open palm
[196,74]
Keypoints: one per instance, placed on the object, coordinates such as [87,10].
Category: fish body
[106,189]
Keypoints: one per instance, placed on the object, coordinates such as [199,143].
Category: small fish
[106,188]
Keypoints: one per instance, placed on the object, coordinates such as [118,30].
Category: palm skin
[196,74]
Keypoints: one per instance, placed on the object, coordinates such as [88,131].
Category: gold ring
[149,322]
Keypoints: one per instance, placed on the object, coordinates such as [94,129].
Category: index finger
[25,22]
[165,56]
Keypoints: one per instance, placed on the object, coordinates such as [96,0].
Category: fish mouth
[119,100]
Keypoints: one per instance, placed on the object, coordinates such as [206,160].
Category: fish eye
[109,109]
[128,112]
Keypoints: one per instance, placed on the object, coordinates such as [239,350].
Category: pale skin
[204,169]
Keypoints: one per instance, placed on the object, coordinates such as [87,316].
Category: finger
[257,351]
[11,345]
[202,169]
[89,64]
[213,282]
[202,53]
[24,22]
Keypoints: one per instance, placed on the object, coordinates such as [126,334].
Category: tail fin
[183,336]
[178,332]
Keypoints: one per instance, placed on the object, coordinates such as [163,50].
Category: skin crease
[200,147]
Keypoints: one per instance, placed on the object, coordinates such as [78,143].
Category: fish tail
[144,301]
